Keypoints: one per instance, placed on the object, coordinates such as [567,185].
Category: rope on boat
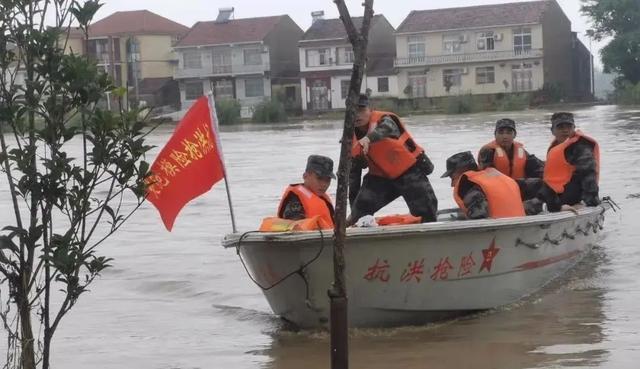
[300,271]
[593,227]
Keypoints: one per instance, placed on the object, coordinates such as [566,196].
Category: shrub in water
[228,111]
[268,111]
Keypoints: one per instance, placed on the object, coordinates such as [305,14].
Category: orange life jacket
[514,169]
[275,224]
[557,170]
[501,191]
[313,204]
[389,157]
[398,219]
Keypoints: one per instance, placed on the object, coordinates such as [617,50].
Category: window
[221,59]
[522,77]
[416,46]
[417,84]
[383,84]
[252,56]
[345,55]
[192,60]
[452,43]
[344,88]
[254,87]
[193,90]
[485,40]
[317,57]
[451,77]
[224,89]
[485,75]
[521,40]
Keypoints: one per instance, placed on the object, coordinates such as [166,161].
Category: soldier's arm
[583,159]
[293,209]
[476,203]
[485,157]
[385,129]
[534,167]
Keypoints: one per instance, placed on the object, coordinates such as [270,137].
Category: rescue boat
[419,273]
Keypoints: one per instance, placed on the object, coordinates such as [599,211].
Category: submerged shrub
[269,111]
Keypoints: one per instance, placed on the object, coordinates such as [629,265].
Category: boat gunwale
[435,228]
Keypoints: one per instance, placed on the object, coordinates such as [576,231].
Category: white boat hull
[408,275]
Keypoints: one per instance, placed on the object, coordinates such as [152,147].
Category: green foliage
[618,19]
[460,104]
[627,94]
[228,111]
[64,205]
[269,111]
[512,102]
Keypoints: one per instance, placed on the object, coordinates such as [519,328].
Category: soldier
[485,193]
[308,199]
[397,166]
[510,158]
[572,167]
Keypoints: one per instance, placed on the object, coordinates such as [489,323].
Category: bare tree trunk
[338,293]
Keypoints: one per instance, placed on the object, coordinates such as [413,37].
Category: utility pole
[338,292]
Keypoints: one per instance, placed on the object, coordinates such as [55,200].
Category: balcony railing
[466,58]
[221,70]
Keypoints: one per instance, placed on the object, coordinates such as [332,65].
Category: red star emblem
[488,254]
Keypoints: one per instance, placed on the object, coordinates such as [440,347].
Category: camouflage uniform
[583,186]
[376,192]
[293,208]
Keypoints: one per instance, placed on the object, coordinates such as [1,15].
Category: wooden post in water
[338,293]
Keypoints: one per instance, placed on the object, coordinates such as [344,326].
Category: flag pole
[214,121]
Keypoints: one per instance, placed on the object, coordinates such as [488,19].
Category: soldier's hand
[364,142]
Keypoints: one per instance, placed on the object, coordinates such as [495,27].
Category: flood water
[179,300]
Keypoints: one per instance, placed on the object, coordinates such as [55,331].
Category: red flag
[189,164]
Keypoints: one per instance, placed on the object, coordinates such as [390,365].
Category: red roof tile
[235,30]
[136,22]
[474,16]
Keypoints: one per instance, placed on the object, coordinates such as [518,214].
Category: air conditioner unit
[497,37]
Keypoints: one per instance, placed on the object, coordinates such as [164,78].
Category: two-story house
[135,48]
[246,59]
[326,60]
[486,49]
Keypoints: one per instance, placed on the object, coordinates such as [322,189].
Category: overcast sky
[188,12]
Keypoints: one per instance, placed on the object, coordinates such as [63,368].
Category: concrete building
[244,59]
[489,49]
[326,60]
[135,48]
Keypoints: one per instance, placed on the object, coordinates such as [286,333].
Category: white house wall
[502,70]
[372,83]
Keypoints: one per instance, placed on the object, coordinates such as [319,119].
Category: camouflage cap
[461,160]
[320,165]
[363,100]
[561,117]
[505,123]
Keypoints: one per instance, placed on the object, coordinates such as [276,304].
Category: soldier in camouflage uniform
[474,199]
[582,153]
[317,178]
[505,133]
[377,191]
